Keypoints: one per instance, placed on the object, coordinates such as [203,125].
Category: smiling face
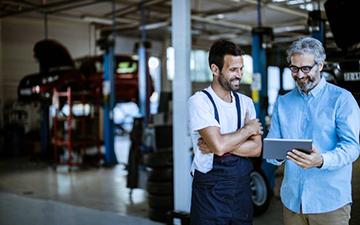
[306,81]
[230,76]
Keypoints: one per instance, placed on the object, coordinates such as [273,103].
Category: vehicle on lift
[126,75]
[86,76]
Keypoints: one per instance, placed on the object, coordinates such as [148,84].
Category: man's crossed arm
[245,142]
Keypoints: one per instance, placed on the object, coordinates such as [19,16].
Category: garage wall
[18,38]
[126,45]
[20,34]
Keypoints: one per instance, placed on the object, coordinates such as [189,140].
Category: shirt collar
[316,90]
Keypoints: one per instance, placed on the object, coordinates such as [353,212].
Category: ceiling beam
[74,6]
[133,8]
[222,23]
[42,8]
[283,9]
[220,11]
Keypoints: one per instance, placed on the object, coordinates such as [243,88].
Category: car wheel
[260,192]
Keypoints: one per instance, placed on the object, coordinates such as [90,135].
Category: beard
[304,86]
[229,85]
[308,85]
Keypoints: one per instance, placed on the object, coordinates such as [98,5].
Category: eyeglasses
[304,69]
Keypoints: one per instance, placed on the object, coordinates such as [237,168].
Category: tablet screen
[278,148]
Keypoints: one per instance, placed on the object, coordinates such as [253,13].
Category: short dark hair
[221,48]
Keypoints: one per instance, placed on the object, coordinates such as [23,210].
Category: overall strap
[237,103]
[238,109]
[212,101]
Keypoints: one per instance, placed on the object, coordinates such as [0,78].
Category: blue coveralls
[222,196]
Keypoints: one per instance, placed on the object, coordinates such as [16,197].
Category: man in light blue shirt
[316,187]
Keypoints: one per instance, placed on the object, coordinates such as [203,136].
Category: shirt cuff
[276,162]
[326,161]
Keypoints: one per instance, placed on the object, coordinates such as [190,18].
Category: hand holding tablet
[277,148]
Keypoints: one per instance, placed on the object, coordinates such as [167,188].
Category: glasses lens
[294,69]
[306,69]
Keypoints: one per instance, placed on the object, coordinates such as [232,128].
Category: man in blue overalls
[224,132]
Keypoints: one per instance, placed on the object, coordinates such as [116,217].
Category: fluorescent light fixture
[98,20]
[153,26]
[222,36]
[289,29]
[220,16]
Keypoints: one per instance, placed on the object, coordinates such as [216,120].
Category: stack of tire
[160,184]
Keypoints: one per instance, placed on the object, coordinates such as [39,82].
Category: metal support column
[44,130]
[109,96]
[261,37]
[143,103]
[316,24]
[46,32]
[181,87]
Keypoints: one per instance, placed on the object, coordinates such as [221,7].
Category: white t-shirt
[201,115]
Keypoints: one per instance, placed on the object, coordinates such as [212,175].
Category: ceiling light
[220,16]
[98,20]
[153,26]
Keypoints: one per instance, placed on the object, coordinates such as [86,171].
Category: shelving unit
[72,133]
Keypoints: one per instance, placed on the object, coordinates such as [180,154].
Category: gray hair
[307,45]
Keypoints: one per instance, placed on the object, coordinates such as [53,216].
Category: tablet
[278,148]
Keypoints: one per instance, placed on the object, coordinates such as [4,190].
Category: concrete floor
[33,193]
[38,194]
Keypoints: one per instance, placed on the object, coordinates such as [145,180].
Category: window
[199,66]
[273,86]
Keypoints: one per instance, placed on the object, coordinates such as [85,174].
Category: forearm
[236,141]
[250,148]
[224,143]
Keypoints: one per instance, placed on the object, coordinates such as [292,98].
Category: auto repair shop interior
[93,100]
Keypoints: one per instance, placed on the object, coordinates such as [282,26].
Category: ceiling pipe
[222,23]
[223,36]
[153,26]
[279,40]
[106,21]
[220,11]
[74,6]
[46,30]
[22,4]
[280,8]
[129,9]
[98,20]
[39,7]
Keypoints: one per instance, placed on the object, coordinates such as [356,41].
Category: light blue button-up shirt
[330,116]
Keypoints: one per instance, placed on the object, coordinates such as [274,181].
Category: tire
[261,193]
[161,202]
[161,175]
[160,188]
[158,159]
[159,215]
